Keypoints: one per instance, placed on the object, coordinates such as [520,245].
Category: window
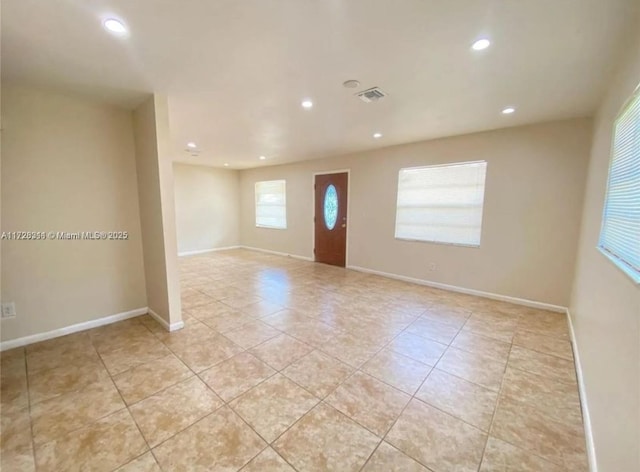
[620,233]
[271,204]
[441,204]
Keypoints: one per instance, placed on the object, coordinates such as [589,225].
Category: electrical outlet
[8,310]
[432,267]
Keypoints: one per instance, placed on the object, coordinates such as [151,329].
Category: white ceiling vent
[371,95]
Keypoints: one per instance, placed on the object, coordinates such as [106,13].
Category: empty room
[304,235]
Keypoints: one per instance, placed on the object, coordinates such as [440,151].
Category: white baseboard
[34,338]
[276,253]
[204,251]
[468,291]
[169,327]
[586,418]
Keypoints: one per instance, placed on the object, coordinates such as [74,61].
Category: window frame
[445,243]
[626,267]
[255,204]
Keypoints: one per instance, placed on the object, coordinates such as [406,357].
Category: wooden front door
[331,218]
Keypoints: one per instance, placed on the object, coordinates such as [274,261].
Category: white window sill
[628,271]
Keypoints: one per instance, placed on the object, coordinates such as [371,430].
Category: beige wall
[68,164]
[207,207]
[533,201]
[605,305]
[156,203]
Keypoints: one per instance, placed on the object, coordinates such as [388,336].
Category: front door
[331,218]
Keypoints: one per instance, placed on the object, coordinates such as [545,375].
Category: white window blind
[620,234]
[441,203]
[271,204]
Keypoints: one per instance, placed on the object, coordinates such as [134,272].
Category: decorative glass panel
[330,207]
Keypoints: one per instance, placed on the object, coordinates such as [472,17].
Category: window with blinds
[441,204]
[620,233]
[271,204]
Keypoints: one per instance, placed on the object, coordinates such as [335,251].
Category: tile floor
[286,365]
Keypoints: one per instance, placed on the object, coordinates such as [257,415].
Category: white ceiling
[236,71]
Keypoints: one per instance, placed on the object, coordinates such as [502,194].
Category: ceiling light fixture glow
[115,26]
[262,158]
[481,44]
[377,135]
[192,145]
[226,164]
[307,104]
[508,110]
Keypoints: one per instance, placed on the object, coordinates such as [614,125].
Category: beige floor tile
[418,348]
[261,309]
[274,405]
[480,369]
[169,411]
[546,323]
[542,364]
[14,393]
[549,395]
[64,351]
[46,384]
[318,373]
[373,404]
[152,324]
[434,330]
[192,298]
[397,370]
[545,344]
[134,354]
[236,375]
[436,439]
[389,459]
[219,442]
[101,446]
[500,327]
[225,322]
[281,351]
[325,440]
[119,335]
[240,301]
[65,413]
[500,456]
[537,433]
[16,450]
[146,379]
[452,316]
[192,333]
[350,348]
[202,354]
[482,345]
[252,333]
[145,463]
[268,461]
[464,400]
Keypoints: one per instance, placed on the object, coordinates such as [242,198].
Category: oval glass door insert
[330,207]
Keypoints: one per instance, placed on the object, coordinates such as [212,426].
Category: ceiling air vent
[371,95]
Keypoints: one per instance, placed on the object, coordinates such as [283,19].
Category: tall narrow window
[620,233]
[441,204]
[271,204]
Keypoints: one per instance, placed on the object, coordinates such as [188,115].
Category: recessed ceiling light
[262,158]
[508,110]
[115,26]
[481,44]
[307,104]
[377,135]
[226,164]
[192,145]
